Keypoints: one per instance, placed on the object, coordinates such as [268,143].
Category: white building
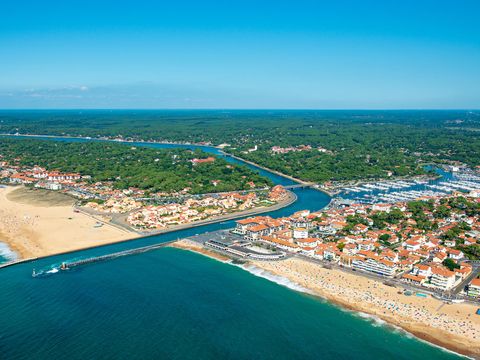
[474,288]
[377,266]
[442,278]
[300,233]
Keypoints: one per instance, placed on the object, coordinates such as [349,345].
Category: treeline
[155,170]
[364,144]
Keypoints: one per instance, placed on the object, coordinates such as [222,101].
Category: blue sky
[240,54]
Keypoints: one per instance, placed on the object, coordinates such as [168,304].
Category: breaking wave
[7,253]
[280,280]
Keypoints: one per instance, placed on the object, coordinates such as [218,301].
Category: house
[282,244]
[365,245]
[413,279]
[326,228]
[411,245]
[474,288]
[326,252]
[375,265]
[243,225]
[309,251]
[442,278]
[255,232]
[469,241]
[382,207]
[203,161]
[21,179]
[455,254]
[439,257]
[307,242]
[300,233]
[300,223]
[360,229]
[350,249]
[422,270]
[449,243]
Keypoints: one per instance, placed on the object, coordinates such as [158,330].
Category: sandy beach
[455,327]
[39,223]
[186,244]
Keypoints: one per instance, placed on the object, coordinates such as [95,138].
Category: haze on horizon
[270,54]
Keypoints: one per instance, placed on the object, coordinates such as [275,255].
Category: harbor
[408,190]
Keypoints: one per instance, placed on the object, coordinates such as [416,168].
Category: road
[393,281]
[475,271]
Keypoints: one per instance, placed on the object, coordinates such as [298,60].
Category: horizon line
[239,109]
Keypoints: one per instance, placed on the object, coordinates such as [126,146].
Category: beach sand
[39,223]
[190,245]
[455,327]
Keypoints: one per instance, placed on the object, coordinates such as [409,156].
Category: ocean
[175,304]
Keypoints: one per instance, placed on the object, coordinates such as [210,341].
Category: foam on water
[280,280]
[377,322]
[7,253]
[374,320]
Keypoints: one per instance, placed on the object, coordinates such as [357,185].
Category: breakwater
[95,259]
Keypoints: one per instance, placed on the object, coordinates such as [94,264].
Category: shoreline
[221,150]
[39,224]
[434,335]
[292,198]
[23,256]
[107,139]
[299,181]
[330,193]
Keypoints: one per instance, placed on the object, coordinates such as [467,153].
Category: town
[144,211]
[431,243]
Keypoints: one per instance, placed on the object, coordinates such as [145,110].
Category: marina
[404,190]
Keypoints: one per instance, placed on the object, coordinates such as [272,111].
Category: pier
[115,255]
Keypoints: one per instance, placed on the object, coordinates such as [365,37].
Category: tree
[384,237]
[451,264]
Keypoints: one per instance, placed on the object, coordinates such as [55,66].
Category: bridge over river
[299,186]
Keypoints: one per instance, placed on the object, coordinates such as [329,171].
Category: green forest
[362,144]
[155,170]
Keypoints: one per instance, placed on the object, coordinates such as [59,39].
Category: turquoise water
[175,304]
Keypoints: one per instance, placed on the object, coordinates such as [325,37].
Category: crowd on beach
[426,242]
[363,294]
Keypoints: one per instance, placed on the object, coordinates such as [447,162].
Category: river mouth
[305,199]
